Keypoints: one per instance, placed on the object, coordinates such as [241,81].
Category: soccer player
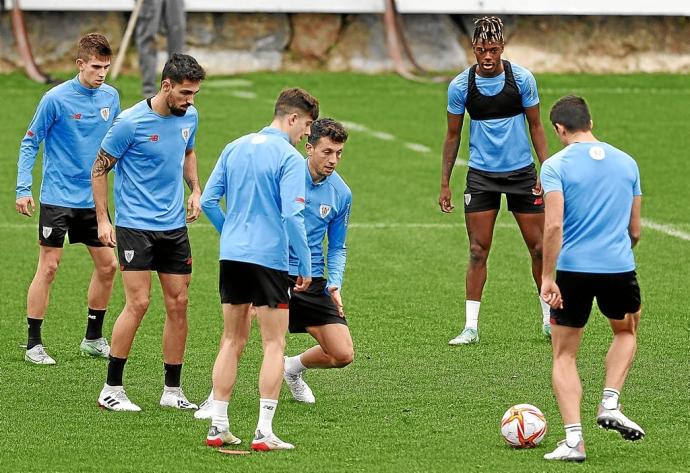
[261,176]
[498,96]
[152,144]
[593,199]
[72,118]
[319,310]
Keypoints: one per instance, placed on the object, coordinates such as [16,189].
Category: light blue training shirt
[598,183]
[261,176]
[327,213]
[150,149]
[501,144]
[72,119]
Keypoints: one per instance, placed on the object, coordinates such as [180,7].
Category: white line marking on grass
[228,83]
[418,147]
[382,135]
[352,126]
[646,223]
[667,229]
[243,94]
[377,226]
[615,91]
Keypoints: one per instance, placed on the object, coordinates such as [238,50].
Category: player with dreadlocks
[498,95]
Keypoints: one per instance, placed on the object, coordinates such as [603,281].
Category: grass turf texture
[409,402]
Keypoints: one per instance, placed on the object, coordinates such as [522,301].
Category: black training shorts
[483,190]
[312,307]
[249,283]
[617,294]
[167,252]
[54,222]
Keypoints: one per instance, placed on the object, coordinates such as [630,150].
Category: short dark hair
[328,128]
[294,100]
[572,113]
[181,67]
[93,44]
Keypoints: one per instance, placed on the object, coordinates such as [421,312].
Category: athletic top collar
[81,89]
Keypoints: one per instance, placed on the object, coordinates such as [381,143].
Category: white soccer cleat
[174,397]
[114,398]
[565,453]
[98,348]
[614,419]
[466,337]
[299,389]
[546,330]
[38,356]
[218,438]
[204,411]
[265,443]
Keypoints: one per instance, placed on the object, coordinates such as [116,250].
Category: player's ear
[292,118]
[591,124]
[309,148]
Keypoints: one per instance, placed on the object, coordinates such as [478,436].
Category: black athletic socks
[34,332]
[172,375]
[94,324]
[116,367]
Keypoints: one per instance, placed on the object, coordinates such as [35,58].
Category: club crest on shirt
[597,153]
[324,210]
[47,231]
[105,113]
[185,134]
[129,255]
[468,199]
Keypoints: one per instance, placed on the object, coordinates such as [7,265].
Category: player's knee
[536,251]
[478,253]
[343,358]
[48,270]
[138,305]
[274,344]
[107,271]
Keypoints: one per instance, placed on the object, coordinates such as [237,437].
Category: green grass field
[409,402]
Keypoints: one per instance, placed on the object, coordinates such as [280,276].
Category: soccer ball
[523,426]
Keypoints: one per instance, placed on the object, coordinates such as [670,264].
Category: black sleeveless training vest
[507,103]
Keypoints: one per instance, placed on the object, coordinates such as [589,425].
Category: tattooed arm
[99,182]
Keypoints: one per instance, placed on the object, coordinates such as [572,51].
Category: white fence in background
[524,7]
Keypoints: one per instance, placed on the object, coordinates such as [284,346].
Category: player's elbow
[553,228]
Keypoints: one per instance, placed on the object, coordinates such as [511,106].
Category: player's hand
[193,207]
[302,284]
[444,200]
[337,300]
[106,234]
[537,189]
[551,293]
[25,206]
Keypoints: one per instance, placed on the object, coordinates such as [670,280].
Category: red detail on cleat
[260,447]
[30,134]
[283,306]
[217,442]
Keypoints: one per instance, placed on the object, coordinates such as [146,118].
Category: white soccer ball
[523,426]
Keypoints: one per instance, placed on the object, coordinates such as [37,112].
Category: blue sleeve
[337,250]
[550,178]
[119,138]
[457,93]
[637,189]
[214,191]
[192,133]
[292,191]
[527,85]
[116,107]
[43,120]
